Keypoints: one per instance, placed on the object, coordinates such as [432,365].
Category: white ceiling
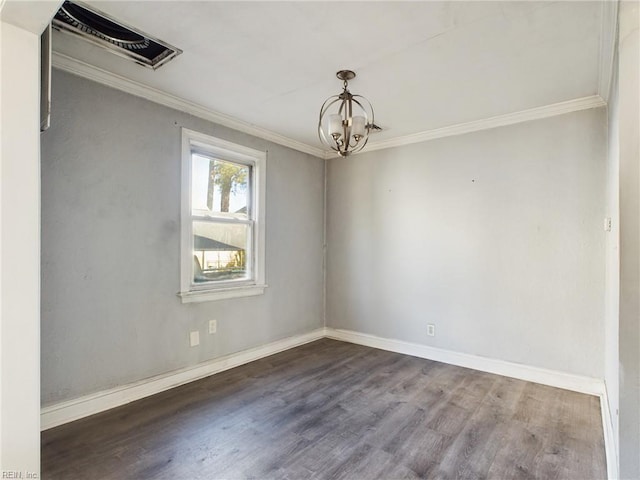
[423,65]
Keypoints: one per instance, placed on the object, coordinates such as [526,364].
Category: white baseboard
[576,383]
[71,410]
[61,413]
[610,444]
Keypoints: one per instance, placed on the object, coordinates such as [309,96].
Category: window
[222,243]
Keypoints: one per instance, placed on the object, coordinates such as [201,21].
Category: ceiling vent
[104,31]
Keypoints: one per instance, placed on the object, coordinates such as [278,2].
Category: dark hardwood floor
[331,410]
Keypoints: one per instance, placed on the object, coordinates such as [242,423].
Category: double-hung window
[223,212]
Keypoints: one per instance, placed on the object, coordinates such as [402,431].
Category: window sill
[196,296]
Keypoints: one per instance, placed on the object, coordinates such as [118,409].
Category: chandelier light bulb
[335,125]
[359,126]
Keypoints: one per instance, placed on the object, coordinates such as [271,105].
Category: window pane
[220,251]
[219,188]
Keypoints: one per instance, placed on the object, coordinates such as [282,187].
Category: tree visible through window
[228,178]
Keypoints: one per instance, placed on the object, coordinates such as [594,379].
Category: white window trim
[224,150]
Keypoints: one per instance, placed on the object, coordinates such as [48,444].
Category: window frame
[196,142]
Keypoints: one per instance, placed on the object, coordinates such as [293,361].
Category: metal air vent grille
[98,28]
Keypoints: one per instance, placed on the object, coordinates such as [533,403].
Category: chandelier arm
[361,146]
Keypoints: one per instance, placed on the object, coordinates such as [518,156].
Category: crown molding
[104,77]
[608,37]
[584,103]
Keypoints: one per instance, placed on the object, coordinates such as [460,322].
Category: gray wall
[110,245]
[495,237]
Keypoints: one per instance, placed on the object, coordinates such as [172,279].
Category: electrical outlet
[431,330]
[194,338]
[213,326]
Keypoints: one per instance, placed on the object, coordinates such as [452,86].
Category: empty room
[291,240]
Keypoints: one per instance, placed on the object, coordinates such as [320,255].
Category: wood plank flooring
[334,410]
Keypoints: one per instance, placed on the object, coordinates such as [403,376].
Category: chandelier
[345,119]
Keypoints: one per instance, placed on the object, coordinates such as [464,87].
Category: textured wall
[110,245]
[494,236]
